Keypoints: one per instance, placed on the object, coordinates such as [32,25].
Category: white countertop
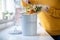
[6,35]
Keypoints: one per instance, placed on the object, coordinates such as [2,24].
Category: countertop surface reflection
[42,34]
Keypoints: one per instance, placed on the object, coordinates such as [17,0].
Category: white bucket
[29,24]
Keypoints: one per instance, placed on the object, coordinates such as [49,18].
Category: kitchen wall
[1,9]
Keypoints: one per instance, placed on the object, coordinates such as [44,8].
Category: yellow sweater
[50,20]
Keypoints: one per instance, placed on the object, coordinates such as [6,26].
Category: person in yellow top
[50,20]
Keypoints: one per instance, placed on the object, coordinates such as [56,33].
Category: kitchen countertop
[42,35]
